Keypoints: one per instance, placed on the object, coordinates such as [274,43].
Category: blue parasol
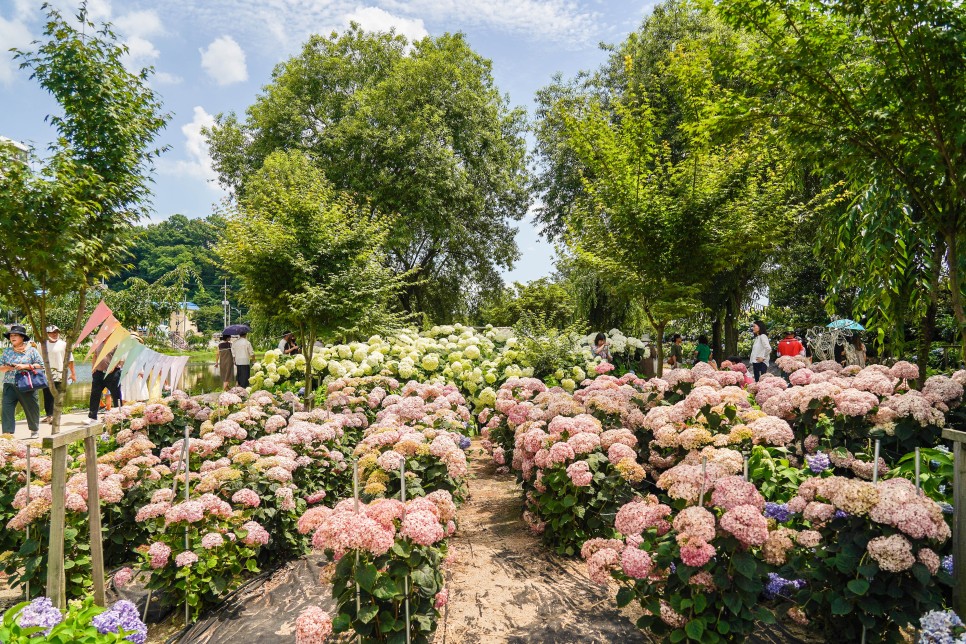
[846,325]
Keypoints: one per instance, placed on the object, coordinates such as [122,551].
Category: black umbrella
[236,329]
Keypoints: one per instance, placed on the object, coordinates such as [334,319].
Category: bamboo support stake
[27,536]
[402,492]
[918,480]
[185,455]
[355,495]
[875,462]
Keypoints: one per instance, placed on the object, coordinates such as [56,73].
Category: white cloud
[143,24]
[198,164]
[140,53]
[165,78]
[275,24]
[13,33]
[224,61]
[376,19]
[553,20]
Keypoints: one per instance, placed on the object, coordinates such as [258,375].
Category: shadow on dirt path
[506,586]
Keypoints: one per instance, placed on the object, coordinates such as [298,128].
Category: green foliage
[308,256]
[72,218]
[847,590]
[549,299]
[419,132]
[547,348]
[575,514]
[871,91]
[769,469]
[382,584]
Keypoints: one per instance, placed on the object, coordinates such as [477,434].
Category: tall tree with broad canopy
[874,91]
[308,256]
[67,225]
[419,132]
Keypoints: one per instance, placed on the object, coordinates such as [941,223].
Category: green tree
[873,91]
[64,226]
[545,297]
[309,257]
[417,130]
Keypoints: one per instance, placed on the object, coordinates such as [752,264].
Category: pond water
[199,377]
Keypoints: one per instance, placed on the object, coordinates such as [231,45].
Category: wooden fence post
[959,519]
[56,578]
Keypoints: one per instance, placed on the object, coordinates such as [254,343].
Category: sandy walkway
[505,586]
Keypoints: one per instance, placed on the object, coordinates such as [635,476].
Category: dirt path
[506,586]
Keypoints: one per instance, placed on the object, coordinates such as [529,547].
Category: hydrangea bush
[82,623]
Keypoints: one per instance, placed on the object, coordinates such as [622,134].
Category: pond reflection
[199,377]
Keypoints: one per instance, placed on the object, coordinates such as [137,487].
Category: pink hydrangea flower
[636,563]
[747,524]
[186,558]
[312,626]
[123,577]
[159,552]
[246,497]
[212,540]
[257,535]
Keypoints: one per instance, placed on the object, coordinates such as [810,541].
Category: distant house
[180,321]
[16,148]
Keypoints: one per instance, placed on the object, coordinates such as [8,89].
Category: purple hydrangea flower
[40,612]
[818,462]
[123,615]
[947,564]
[464,442]
[840,514]
[777,511]
[947,508]
[778,586]
[938,627]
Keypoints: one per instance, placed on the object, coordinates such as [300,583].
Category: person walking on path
[226,364]
[760,350]
[702,352]
[56,350]
[287,344]
[100,380]
[19,356]
[790,345]
[676,356]
[243,352]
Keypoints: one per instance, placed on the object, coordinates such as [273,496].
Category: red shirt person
[790,346]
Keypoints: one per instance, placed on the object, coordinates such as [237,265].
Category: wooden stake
[94,520]
[959,519]
[56,581]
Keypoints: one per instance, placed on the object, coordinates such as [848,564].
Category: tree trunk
[659,327]
[731,333]
[308,353]
[716,351]
[928,331]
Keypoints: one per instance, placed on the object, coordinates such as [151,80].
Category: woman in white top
[760,350]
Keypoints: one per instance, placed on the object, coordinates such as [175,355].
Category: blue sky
[213,56]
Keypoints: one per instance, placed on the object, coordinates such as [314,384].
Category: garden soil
[504,585]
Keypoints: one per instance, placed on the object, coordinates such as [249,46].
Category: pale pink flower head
[579,473]
[159,552]
[441,599]
[257,535]
[312,626]
[732,491]
[247,497]
[892,553]
[422,528]
[903,370]
[747,524]
[636,563]
[639,515]
[212,540]
[123,577]
[185,558]
[696,553]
